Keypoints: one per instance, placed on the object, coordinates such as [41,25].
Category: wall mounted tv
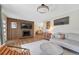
[26,26]
[62,21]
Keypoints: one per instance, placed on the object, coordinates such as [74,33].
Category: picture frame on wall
[61,21]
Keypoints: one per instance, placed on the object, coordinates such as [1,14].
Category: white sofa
[71,41]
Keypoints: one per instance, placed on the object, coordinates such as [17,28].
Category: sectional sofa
[71,41]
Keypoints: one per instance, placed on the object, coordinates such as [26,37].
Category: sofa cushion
[59,36]
[72,36]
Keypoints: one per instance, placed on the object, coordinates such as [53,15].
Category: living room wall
[72,27]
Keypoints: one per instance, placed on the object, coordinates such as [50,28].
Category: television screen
[26,26]
[62,21]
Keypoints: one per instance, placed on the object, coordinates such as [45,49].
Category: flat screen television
[26,26]
[62,21]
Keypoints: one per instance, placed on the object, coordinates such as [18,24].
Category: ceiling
[29,11]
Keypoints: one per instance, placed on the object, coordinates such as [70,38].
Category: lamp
[43,8]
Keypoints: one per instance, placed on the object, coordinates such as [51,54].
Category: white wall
[73,25]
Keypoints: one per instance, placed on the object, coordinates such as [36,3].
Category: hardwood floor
[8,50]
[19,42]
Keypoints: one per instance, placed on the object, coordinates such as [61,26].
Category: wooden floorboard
[19,42]
[6,51]
[3,50]
[9,53]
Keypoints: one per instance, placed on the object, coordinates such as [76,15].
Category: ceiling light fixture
[43,8]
